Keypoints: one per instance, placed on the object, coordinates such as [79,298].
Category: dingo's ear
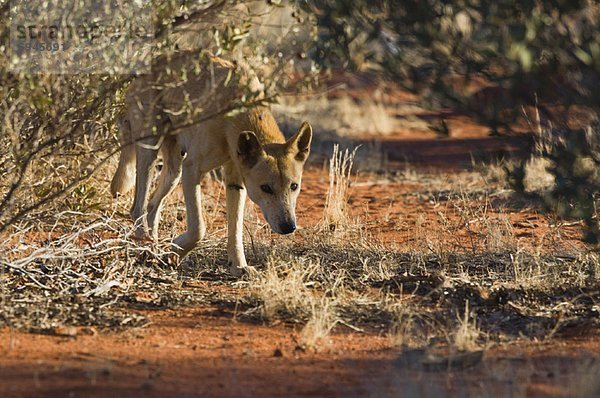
[249,149]
[299,144]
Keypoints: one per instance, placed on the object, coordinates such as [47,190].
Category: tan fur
[182,115]
[124,177]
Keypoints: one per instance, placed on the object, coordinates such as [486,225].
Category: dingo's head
[272,174]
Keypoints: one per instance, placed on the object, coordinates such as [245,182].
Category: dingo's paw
[142,234]
[170,259]
[238,271]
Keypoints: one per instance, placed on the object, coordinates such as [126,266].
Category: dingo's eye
[294,186]
[266,189]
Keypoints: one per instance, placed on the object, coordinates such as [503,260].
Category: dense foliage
[548,48]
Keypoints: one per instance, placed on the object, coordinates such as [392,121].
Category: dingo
[255,155]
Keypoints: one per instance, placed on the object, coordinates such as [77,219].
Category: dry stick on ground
[79,264]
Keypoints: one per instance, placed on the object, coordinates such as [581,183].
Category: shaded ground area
[459,153]
[192,353]
[450,153]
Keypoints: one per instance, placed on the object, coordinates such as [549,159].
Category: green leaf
[583,56]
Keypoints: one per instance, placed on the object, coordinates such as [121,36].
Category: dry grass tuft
[537,178]
[320,324]
[287,289]
[283,287]
[401,333]
[335,214]
[466,337]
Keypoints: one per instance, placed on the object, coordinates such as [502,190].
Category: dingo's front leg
[236,198]
[191,178]
[169,177]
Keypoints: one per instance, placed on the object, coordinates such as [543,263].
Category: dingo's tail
[124,177]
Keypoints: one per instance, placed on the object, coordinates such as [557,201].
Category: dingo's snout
[286,227]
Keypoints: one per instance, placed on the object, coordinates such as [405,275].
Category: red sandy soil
[389,211]
[192,353]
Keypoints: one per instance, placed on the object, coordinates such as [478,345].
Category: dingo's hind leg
[169,177]
[191,177]
[146,153]
[124,177]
